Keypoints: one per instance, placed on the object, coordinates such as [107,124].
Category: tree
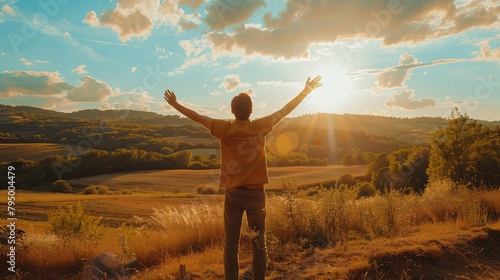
[380,161]
[346,179]
[465,152]
[381,179]
[182,159]
[408,168]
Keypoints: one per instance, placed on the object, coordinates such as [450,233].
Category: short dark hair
[241,106]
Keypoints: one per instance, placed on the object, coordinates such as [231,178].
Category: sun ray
[335,91]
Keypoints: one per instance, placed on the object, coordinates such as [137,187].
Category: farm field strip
[117,207]
[183,180]
[34,151]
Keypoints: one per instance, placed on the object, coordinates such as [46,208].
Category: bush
[61,186]
[90,190]
[102,189]
[73,222]
[366,189]
[206,190]
[96,190]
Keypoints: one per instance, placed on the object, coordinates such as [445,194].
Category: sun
[336,88]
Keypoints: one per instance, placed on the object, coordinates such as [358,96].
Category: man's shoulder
[220,122]
[218,126]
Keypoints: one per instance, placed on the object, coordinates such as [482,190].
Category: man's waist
[251,187]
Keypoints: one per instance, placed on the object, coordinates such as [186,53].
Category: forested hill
[27,113]
[410,130]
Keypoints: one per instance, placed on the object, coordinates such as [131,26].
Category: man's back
[243,151]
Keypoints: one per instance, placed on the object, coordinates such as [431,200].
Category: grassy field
[34,151]
[447,232]
[186,181]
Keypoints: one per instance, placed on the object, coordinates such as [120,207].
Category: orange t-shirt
[242,145]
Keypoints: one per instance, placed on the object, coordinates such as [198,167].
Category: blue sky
[399,58]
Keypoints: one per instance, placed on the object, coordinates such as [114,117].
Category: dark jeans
[253,202]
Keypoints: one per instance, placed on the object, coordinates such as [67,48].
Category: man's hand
[170,97]
[312,85]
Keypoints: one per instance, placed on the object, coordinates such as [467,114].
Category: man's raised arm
[172,100]
[290,106]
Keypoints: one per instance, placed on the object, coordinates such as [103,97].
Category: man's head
[241,106]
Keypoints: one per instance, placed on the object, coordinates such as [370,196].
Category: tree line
[464,152]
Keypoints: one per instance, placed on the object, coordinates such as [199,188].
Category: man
[244,171]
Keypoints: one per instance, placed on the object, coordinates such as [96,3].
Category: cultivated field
[34,151]
[187,181]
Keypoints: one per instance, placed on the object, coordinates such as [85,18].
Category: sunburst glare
[335,91]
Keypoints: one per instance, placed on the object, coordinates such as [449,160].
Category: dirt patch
[477,258]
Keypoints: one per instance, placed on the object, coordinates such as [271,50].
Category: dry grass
[46,255]
[329,234]
[179,231]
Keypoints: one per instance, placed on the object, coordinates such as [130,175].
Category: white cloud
[191,3]
[405,101]
[162,52]
[290,33]
[90,90]
[250,91]
[486,52]
[32,63]
[231,82]
[395,77]
[133,100]
[222,13]
[197,52]
[91,19]
[80,69]
[224,108]
[187,46]
[25,61]
[127,25]
[45,83]
[8,10]
[193,61]
[54,102]
[136,19]
[276,83]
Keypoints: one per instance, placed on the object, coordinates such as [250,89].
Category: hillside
[410,130]
[15,114]
[317,139]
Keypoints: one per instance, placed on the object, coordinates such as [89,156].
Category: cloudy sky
[403,58]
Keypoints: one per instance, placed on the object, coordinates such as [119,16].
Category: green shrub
[102,189]
[61,186]
[366,189]
[73,222]
[96,190]
[90,190]
[206,190]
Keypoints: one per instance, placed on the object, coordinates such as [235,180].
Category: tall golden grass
[295,218]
